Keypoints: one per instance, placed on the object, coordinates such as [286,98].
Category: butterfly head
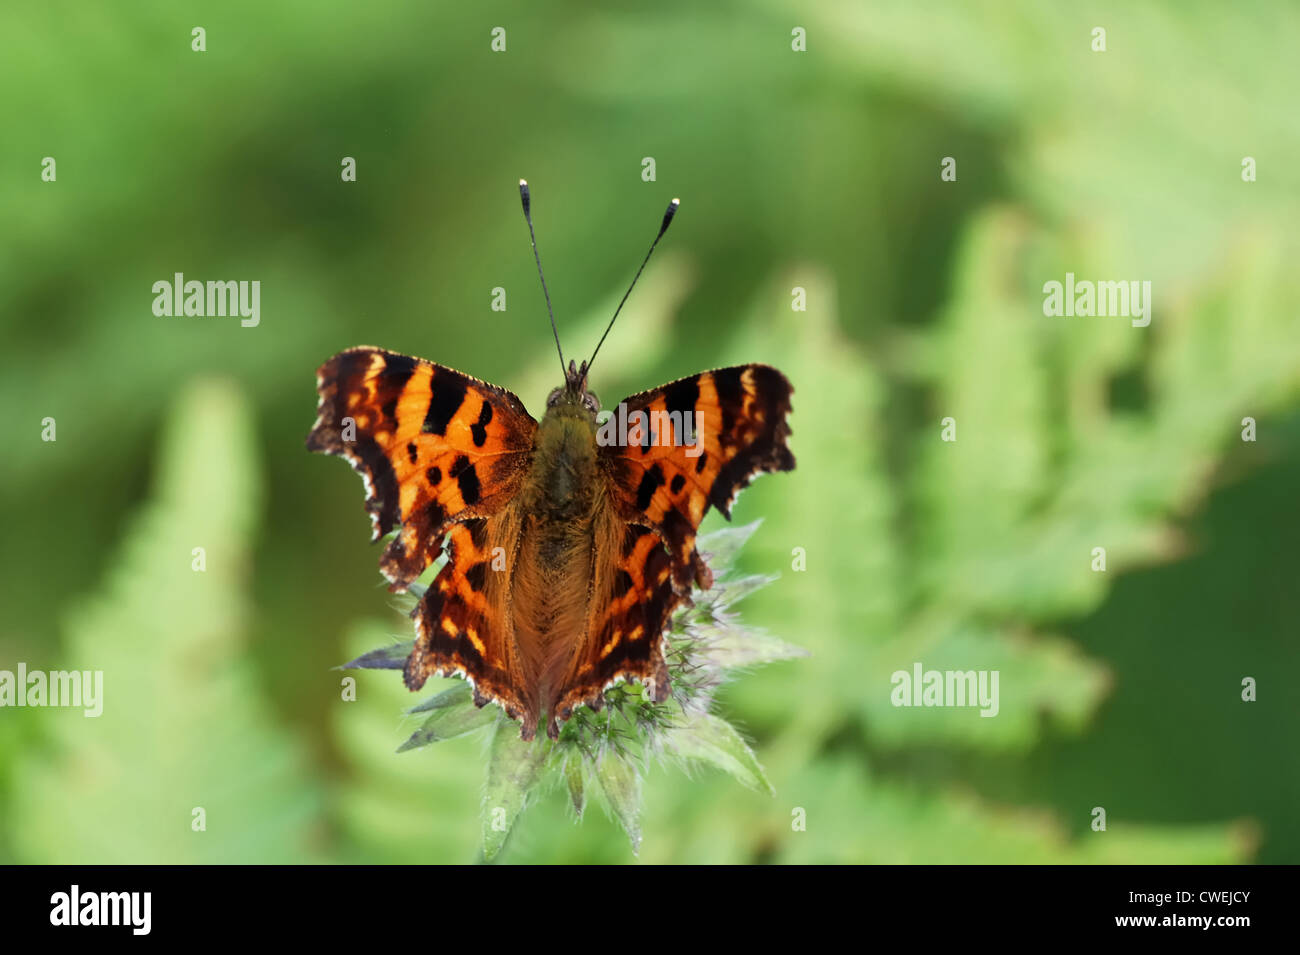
[575,393]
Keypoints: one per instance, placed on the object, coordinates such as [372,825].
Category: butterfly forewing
[433,445]
[670,478]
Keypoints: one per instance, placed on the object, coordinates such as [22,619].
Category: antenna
[668,218]
[524,196]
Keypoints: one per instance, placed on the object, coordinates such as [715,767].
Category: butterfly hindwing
[461,622]
[433,445]
[634,599]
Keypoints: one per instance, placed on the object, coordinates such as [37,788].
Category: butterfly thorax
[561,483]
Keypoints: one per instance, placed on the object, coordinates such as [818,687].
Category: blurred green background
[816,169]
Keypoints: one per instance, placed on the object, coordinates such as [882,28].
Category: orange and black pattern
[626,627]
[445,457]
[461,627]
[739,415]
[433,445]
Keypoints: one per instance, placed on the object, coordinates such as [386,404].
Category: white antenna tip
[677,202]
[523,182]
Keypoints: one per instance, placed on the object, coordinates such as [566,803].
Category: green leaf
[720,547]
[450,721]
[513,768]
[406,809]
[574,780]
[713,740]
[727,647]
[183,726]
[734,590]
[392,657]
[458,693]
[1041,680]
[896,821]
[621,783]
[837,510]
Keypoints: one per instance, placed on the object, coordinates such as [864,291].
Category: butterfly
[569,542]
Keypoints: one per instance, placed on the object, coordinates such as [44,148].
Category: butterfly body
[562,512]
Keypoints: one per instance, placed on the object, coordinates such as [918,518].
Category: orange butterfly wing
[670,479]
[435,447]
[661,489]
[462,624]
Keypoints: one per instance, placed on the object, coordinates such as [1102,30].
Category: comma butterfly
[567,551]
